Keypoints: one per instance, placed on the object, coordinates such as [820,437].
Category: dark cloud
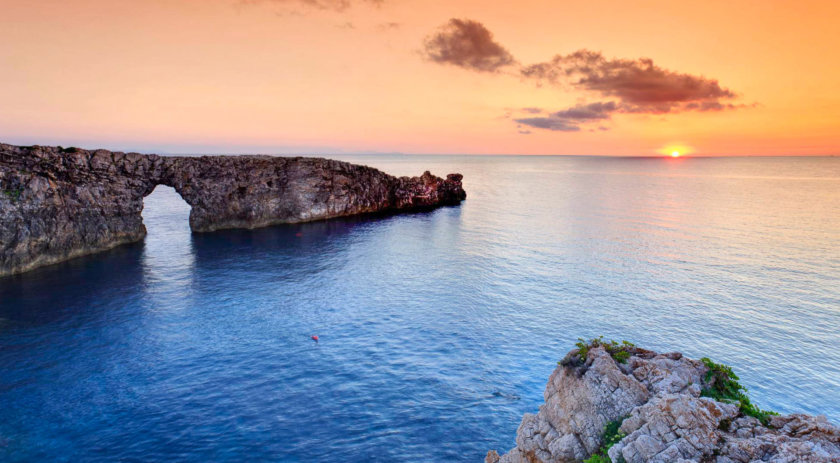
[571,119]
[711,106]
[337,5]
[588,112]
[467,44]
[640,85]
[549,123]
[632,85]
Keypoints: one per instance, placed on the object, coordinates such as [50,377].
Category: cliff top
[614,402]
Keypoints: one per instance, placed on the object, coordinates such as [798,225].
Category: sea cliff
[57,204]
[614,402]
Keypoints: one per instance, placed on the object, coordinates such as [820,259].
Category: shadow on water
[271,245]
[216,247]
[61,291]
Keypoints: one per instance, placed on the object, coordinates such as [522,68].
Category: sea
[436,330]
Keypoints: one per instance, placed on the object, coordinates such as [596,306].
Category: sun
[675,150]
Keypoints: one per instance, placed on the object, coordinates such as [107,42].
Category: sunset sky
[331,76]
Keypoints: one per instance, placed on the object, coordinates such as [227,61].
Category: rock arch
[56,204]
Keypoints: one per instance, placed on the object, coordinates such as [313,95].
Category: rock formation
[657,399]
[56,204]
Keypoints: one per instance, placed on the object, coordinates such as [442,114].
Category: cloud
[639,84]
[588,112]
[633,86]
[549,123]
[467,44]
[571,119]
[337,5]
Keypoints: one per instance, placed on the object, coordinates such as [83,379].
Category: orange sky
[281,76]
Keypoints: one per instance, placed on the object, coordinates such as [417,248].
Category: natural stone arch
[58,204]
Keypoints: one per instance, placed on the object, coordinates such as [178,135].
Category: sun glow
[675,150]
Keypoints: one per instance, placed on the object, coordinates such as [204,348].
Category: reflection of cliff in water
[290,252]
[282,254]
[61,292]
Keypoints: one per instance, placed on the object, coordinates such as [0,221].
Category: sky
[736,77]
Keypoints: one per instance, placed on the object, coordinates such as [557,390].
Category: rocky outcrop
[657,399]
[56,204]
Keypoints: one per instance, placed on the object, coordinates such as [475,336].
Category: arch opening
[167,249]
[165,213]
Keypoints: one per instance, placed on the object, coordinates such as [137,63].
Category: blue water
[437,330]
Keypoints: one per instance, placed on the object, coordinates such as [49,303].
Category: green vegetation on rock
[722,384]
[14,195]
[612,435]
[620,351]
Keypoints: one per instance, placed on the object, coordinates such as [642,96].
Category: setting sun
[675,150]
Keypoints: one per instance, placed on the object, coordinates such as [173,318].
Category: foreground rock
[657,399]
[58,204]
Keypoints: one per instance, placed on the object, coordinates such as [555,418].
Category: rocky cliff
[612,402]
[56,204]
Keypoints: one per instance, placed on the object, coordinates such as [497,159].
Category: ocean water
[438,330]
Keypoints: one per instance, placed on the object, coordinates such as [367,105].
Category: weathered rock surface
[58,204]
[665,419]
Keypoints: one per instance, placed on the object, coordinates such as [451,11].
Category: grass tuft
[612,435]
[722,384]
[620,351]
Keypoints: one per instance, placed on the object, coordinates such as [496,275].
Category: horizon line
[398,153]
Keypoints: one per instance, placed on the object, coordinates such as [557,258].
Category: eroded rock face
[58,204]
[664,418]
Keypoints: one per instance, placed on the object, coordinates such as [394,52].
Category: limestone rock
[663,417]
[671,427]
[58,204]
[792,438]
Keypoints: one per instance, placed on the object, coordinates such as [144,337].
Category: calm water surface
[438,330]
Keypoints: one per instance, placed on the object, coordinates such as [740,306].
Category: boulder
[657,399]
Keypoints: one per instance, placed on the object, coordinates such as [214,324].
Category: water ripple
[437,330]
